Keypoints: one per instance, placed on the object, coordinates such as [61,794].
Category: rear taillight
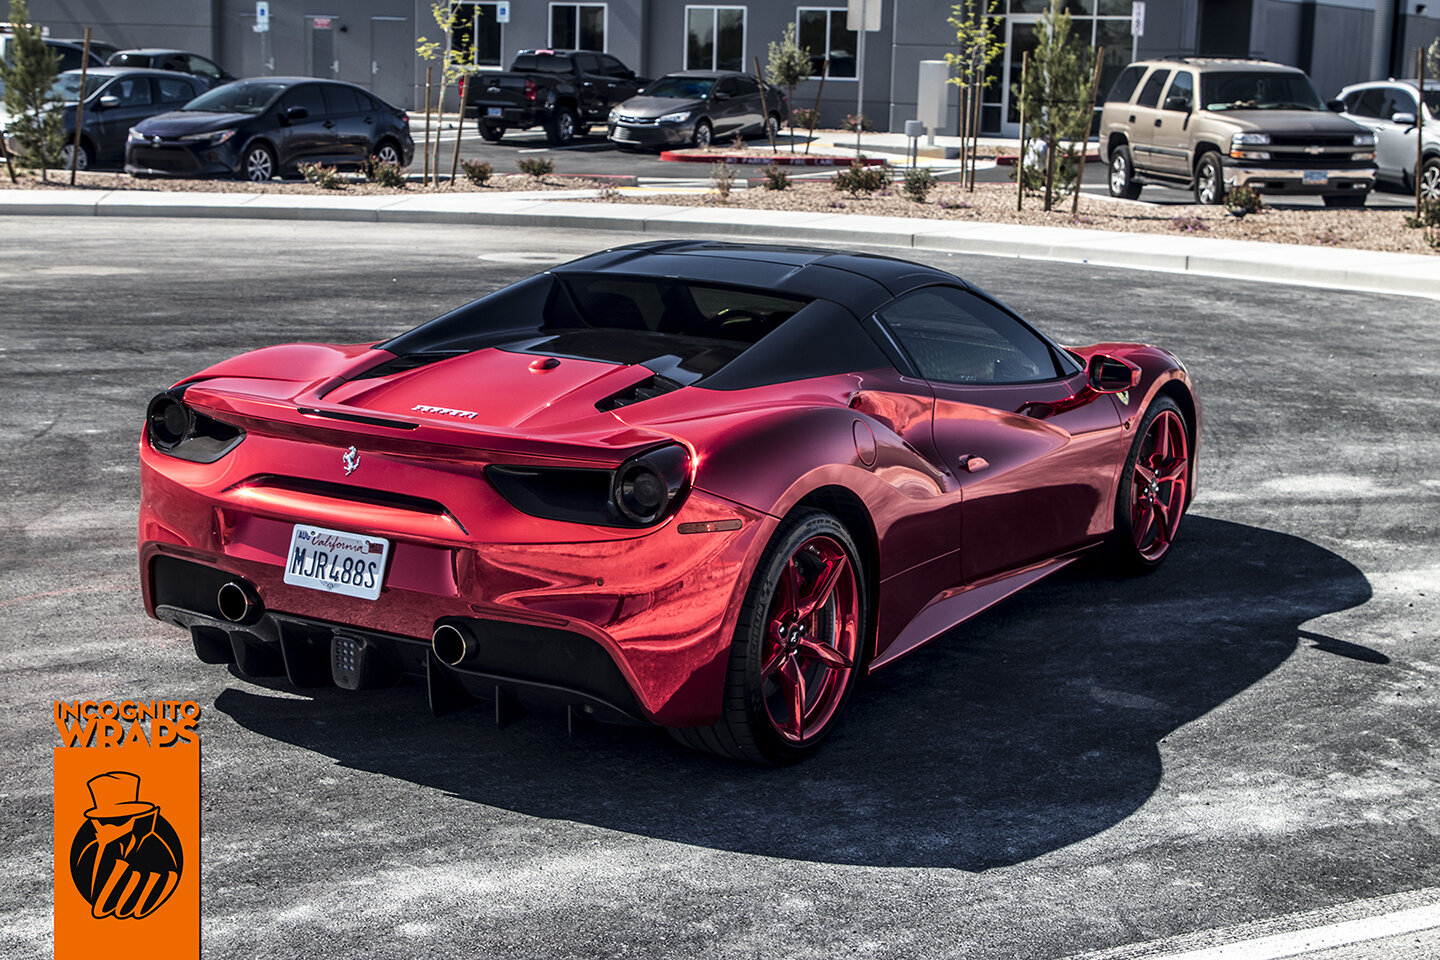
[461,86]
[530,89]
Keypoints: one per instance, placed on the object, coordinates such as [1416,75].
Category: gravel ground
[351,184]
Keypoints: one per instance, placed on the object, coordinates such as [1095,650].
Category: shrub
[384,174]
[855,122]
[804,117]
[1187,224]
[861,179]
[723,178]
[327,178]
[476,171]
[1241,201]
[608,191]
[776,178]
[537,167]
[918,183]
[1429,215]
[737,142]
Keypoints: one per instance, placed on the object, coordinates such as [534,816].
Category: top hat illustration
[116,795]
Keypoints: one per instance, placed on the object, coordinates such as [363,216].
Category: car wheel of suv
[1430,180]
[1122,175]
[1356,199]
[491,132]
[1209,179]
[704,133]
[561,128]
[82,161]
[258,165]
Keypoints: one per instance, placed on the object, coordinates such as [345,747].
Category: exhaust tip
[238,602]
[454,644]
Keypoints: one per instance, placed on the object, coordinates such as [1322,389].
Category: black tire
[1142,540]
[82,161]
[258,164]
[490,132]
[388,151]
[1430,179]
[1210,179]
[704,134]
[561,128]
[771,128]
[1356,199]
[1122,174]
[766,657]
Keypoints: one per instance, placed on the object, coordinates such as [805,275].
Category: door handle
[1132,118]
[973,464]
[328,124]
[1157,121]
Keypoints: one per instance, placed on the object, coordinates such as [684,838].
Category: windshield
[237,98]
[67,86]
[1258,91]
[680,88]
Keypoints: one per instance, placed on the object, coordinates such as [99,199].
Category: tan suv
[1212,125]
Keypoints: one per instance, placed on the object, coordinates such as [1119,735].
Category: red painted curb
[782,160]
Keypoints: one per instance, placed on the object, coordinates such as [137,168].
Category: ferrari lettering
[463,414]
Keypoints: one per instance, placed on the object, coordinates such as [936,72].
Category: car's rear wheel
[389,152]
[1154,489]
[704,133]
[1209,179]
[1122,175]
[1430,180]
[491,132]
[82,159]
[258,164]
[561,128]
[798,647]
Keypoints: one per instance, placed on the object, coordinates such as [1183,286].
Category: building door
[391,55]
[1019,40]
[320,51]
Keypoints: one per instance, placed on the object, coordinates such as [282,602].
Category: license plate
[492,111]
[1315,176]
[336,561]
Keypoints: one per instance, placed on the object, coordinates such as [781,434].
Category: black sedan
[181,61]
[116,98]
[260,128]
[696,107]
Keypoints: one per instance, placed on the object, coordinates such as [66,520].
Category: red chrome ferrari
[702,485]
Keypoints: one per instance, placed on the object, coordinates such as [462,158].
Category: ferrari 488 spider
[701,485]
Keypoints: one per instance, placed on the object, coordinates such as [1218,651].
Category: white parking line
[1301,942]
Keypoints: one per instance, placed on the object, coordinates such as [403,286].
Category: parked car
[564,91]
[116,98]
[265,127]
[100,48]
[1390,109]
[697,106]
[1212,125]
[703,485]
[180,61]
[70,52]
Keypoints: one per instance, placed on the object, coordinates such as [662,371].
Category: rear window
[664,305]
[541,63]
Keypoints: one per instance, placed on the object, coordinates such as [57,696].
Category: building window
[715,38]
[578,26]
[823,31]
[476,34]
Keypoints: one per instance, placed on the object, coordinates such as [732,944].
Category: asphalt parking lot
[1243,742]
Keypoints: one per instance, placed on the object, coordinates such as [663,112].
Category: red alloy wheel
[1158,486]
[811,637]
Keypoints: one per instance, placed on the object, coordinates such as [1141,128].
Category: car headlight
[214,138]
[680,117]
[641,492]
[134,136]
[1364,140]
[1250,139]
[174,428]
[614,115]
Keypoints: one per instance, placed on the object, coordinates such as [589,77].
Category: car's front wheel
[1209,179]
[1154,489]
[704,133]
[258,164]
[798,647]
[1430,180]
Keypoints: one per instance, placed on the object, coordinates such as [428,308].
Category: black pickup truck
[564,91]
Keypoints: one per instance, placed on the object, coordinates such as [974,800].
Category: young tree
[37,115]
[457,62]
[1057,97]
[977,37]
[787,65]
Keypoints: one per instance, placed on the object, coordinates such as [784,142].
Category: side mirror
[296,113]
[1404,119]
[718,96]
[1335,106]
[1112,375]
[1179,104]
[108,103]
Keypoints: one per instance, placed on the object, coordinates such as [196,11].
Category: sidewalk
[1332,268]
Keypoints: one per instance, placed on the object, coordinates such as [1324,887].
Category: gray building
[373,42]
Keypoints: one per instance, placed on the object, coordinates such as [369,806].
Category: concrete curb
[779,159]
[1336,269]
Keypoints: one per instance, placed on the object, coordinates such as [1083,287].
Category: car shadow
[1027,729]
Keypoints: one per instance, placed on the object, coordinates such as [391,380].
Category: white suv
[1389,107]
